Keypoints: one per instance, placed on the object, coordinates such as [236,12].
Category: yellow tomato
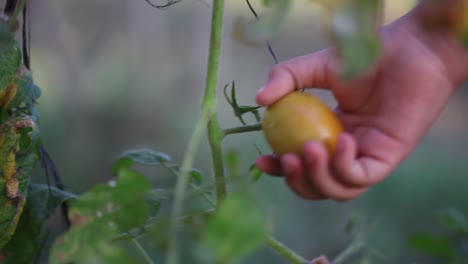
[298,118]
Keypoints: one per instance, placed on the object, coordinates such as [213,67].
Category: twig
[142,251]
[285,251]
[242,129]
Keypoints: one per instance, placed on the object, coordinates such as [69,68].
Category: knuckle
[280,68]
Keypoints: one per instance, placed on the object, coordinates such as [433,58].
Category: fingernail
[261,89]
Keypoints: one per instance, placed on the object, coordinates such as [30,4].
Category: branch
[242,129]
[284,251]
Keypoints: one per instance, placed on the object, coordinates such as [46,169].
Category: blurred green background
[119,74]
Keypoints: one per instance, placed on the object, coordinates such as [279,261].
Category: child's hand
[385,112]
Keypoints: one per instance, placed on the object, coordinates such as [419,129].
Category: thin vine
[208,116]
[164,6]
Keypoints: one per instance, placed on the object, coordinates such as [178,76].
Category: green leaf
[146,157]
[10,59]
[233,95]
[196,175]
[26,92]
[159,234]
[26,243]
[453,219]
[431,245]
[100,215]
[254,32]
[238,227]
[120,164]
[255,172]
[15,171]
[154,200]
[355,31]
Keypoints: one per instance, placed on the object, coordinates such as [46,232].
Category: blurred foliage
[451,245]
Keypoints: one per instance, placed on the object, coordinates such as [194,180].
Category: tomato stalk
[208,118]
[142,251]
[215,137]
[242,129]
[285,251]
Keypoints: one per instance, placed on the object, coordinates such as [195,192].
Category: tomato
[298,118]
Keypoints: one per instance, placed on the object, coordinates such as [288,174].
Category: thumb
[316,70]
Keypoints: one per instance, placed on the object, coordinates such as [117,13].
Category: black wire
[169,3]
[270,49]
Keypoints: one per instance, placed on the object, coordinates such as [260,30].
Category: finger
[357,172]
[319,174]
[310,71]
[269,164]
[295,177]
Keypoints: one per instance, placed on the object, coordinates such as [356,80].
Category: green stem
[180,189]
[356,245]
[142,251]
[196,188]
[18,9]
[204,194]
[242,129]
[215,133]
[215,137]
[284,251]
[208,114]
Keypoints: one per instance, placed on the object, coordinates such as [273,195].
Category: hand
[385,112]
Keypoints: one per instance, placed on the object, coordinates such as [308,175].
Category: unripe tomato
[298,118]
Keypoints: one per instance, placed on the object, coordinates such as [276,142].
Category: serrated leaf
[25,245]
[431,245]
[146,157]
[238,227]
[101,214]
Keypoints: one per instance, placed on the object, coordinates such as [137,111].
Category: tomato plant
[127,219]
